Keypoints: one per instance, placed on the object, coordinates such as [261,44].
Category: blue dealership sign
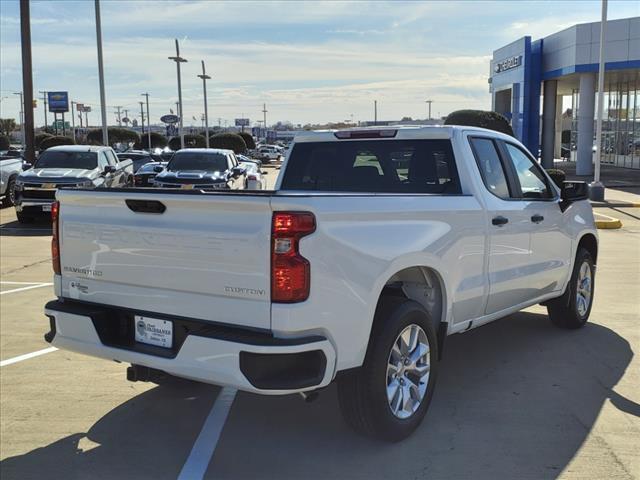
[58,102]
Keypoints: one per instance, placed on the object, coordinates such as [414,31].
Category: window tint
[533,184]
[490,166]
[382,166]
[60,159]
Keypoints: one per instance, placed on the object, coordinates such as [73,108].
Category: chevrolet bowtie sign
[508,64]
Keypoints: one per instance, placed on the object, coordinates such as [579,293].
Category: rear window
[389,166]
[58,159]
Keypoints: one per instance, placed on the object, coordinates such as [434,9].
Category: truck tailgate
[207,256]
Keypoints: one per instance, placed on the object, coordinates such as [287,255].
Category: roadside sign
[170,119]
[242,122]
[58,102]
[125,120]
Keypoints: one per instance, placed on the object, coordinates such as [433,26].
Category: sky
[310,62]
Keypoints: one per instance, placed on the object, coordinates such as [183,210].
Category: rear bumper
[247,360]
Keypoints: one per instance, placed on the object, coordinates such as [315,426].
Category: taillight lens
[290,271]
[55,238]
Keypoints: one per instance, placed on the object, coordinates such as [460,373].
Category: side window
[111,158]
[490,166]
[102,160]
[533,183]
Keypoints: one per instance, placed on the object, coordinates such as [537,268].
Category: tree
[157,141]
[190,141]
[116,135]
[248,140]
[54,141]
[39,138]
[230,141]
[480,118]
[7,126]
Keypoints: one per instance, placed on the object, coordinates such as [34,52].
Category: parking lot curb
[607,223]
[615,204]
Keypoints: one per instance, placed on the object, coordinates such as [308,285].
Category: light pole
[27,83]
[178,59]
[148,122]
[44,101]
[375,112]
[596,188]
[142,119]
[204,78]
[73,122]
[21,119]
[429,102]
[103,101]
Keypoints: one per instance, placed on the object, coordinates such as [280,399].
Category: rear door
[200,256]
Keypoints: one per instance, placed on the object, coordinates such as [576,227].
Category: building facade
[547,89]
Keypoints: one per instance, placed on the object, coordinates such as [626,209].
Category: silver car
[10,168]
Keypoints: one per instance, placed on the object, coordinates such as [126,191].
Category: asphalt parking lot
[516,399]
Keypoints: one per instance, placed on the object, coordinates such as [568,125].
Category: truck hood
[191,176]
[61,174]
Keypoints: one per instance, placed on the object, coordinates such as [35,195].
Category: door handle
[537,218]
[499,220]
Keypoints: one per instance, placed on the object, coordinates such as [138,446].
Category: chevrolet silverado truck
[375,245]
[78,166]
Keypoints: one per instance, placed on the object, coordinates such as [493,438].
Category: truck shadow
[515,399]
[39,228]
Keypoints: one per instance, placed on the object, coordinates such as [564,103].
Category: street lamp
[178,59]
[148,122]
[21,119]
[204,78]
[103,101]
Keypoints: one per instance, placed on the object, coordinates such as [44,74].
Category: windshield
[211,162]
[58,159]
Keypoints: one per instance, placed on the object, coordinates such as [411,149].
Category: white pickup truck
[375,245]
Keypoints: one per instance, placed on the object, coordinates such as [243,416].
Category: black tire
[362,393]
[564,311]
[22,218]
[10,198]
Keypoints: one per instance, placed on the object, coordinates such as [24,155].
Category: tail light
[137,180]
[290,271]
[251,176]
[355,134]
[55,238]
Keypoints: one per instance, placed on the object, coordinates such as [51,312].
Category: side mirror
[26,166]
[158,169]
[109,169]
[237,171]
[574,191]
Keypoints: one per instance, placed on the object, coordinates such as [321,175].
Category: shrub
[480,118]
[558,176]
[54,141]
[116,135]
[157,141]
[190,141]
[5,143]
[230,141]
[248,140]
[39,138]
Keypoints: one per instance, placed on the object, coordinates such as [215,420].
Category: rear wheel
[573,308]
[389,395]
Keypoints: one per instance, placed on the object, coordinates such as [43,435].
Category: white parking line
[202,451]
[40,285]
[19,283]
[26,356]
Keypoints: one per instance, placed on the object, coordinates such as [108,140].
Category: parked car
[254,176]
[202,169]
[245,159]
[10,168]
[71,166]
[145,174]
[374,247]
[139,158]
[267,154]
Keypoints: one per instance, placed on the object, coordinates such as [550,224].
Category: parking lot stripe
[26,356]
[202,450]
[19,283]
[22,289]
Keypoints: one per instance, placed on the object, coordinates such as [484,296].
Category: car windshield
[61,159]
[211,162]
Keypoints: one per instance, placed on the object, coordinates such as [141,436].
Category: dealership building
[547,88]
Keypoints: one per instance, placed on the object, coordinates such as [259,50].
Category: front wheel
[573,308]
[389,395]
[10,199]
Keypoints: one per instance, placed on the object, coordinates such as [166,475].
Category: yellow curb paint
[607,222]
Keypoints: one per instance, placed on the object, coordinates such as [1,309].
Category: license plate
[49,186]
[187,186]
[46,208]
[154,331]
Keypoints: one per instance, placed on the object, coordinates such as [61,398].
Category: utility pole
[126,115]
[103,101]
[22,142]
[596,188]
[204,78]
[118,113]
[27,82]
[375,112]
[44,101]
[73,122]
[178,59]
[429,102]
[264,113]
[142,119]
[148,122]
